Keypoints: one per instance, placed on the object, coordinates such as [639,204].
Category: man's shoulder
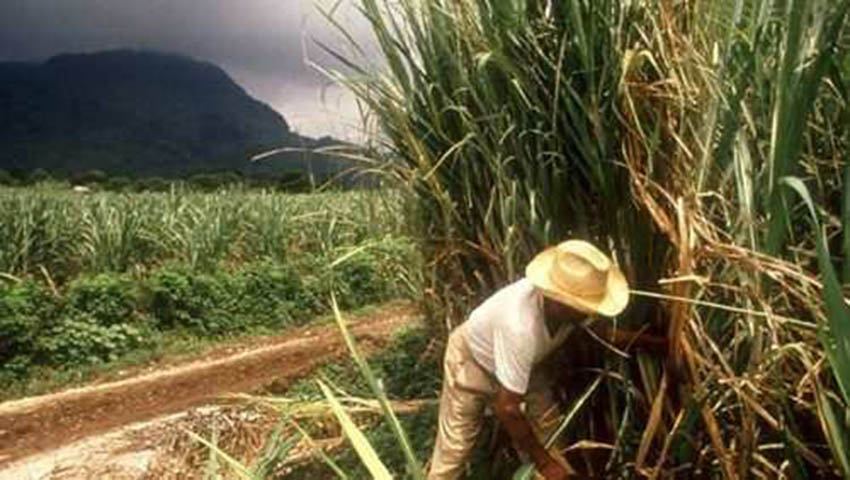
[520,291]
[514,307]
[506,299]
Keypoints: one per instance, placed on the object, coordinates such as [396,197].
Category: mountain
[141,113]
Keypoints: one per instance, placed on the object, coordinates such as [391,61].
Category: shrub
[185,299]
[7,179]
[79,340]
[153,184]
[38,175]
[25,310]
[110,299]
[118,184]
[209,182]
[170,299]
[88,177]
[407,370]
[372,275]
[275,294]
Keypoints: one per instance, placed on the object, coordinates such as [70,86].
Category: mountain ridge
[142,113]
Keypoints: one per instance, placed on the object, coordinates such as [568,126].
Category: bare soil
[50,422]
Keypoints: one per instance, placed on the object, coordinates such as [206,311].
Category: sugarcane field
[425,240]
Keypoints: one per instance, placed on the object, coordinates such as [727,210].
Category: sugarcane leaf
[836,335]
[238,468]
[834,424]
[845,223]
[358,440]
[413,465]
[525,472]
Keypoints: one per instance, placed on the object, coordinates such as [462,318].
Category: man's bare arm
[624,339]
[507,408]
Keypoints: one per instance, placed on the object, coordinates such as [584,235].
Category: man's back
[507,334]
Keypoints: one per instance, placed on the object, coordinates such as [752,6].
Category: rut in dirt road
[37,424]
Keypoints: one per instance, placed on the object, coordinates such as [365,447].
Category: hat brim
[609,304]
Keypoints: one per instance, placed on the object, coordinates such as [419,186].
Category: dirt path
[48,422]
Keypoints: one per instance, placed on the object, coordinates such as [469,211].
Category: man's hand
[553,470]
[506,406]
[626,339]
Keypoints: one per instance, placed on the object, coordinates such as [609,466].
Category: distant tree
[230,178]
[7,179]
[118,184]
[209,182]
[206,182]
[153,184]
[88,177]
[39,175]
[295,182]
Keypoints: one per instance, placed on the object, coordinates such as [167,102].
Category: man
[489,359]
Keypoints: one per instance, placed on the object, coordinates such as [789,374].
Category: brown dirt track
[40,424]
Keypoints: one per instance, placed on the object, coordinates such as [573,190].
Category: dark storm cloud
[261,43]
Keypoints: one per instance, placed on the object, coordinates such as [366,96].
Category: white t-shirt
[507,334]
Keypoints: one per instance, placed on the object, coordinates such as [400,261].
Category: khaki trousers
[467,390]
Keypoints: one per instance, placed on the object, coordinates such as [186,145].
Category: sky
[262,44]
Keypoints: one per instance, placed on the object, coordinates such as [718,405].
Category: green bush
[407,370]
[110,299]
[25,310]
[184,299]
[7,179]
[38,175]
[88,177]
[97,319]
[267,294]
[371,275]
[118,184]
[153,184]
[356,281]
[79,339]
[276,294]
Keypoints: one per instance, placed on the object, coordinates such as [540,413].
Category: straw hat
[577,274]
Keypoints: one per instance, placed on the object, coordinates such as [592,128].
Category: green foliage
[118,184]
[109,299]
[38,175]
[659,130]
[80,339]
[88,177]
[195,265]
[26,310]
[356,281]
[406,368]
[6,178]
[153,184]
[179,298]
[98,319]
[407,372]
[835,336]
[276,293]
[71,234]
[258,294]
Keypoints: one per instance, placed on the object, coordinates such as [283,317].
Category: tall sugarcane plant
[506,128]
[664,131]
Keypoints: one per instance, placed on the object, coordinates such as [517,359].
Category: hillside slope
[139,113]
